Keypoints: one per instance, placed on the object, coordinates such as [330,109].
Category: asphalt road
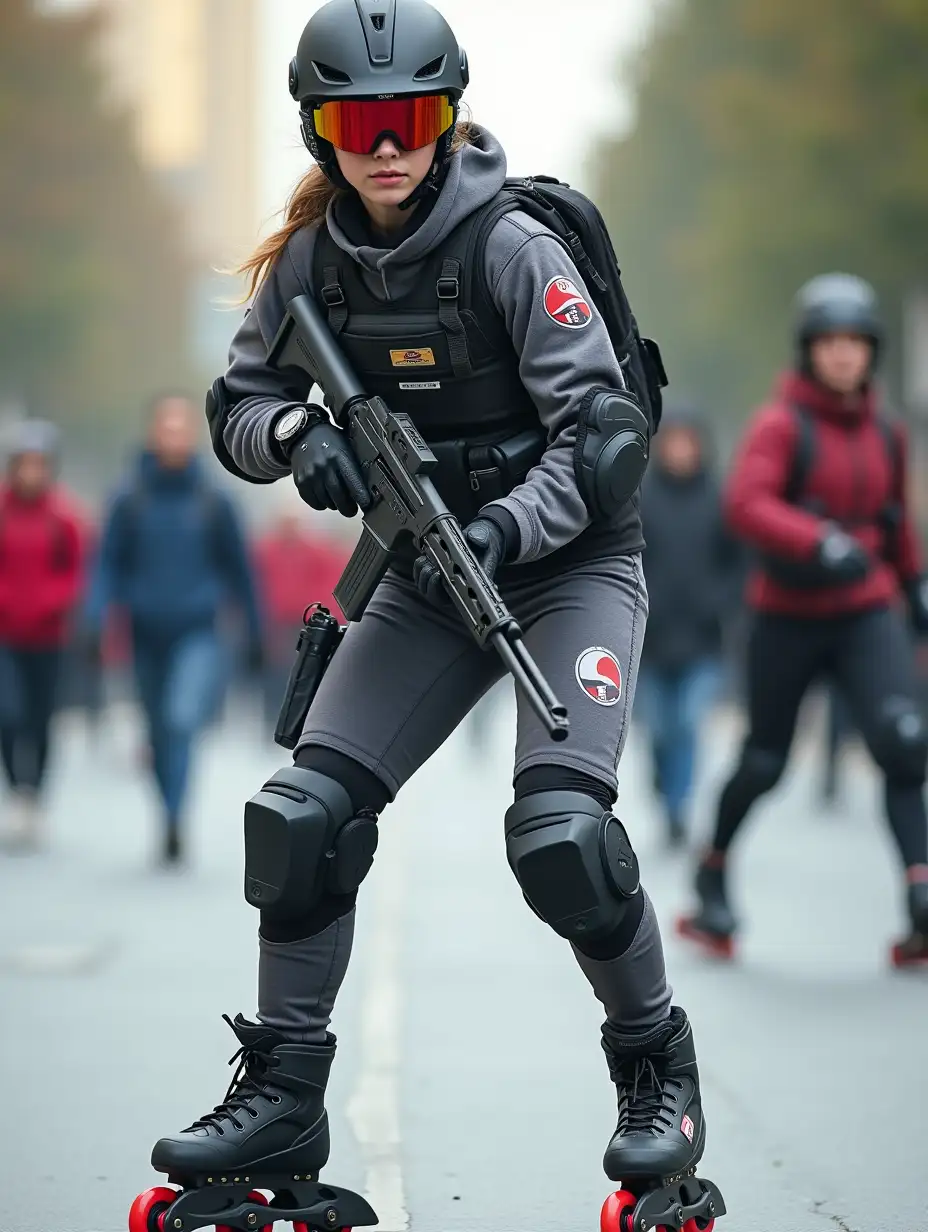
[470,1091]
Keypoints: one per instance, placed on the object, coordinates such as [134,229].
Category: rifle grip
[368,563]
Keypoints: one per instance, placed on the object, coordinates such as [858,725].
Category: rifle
[396,463]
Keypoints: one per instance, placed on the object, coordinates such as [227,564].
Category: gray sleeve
[558,363]
[261,393]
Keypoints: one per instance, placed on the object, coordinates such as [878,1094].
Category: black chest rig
[441,354]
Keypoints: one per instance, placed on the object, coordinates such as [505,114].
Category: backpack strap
[892,512]
[327,280]
[803,456]
[448,290]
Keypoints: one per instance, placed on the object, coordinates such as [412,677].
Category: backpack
[577,222]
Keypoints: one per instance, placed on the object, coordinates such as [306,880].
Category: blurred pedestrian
[691,567]
[294,566]
[41,574]
[819,489]
[172,556]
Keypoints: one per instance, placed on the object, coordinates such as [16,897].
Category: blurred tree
[776,139]
[93,284]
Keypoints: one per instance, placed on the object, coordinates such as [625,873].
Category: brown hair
[306,207]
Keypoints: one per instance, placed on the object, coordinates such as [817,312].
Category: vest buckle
[332,294]
[449,288]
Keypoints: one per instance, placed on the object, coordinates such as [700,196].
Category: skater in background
[172,557]
[41,576]
[692,567]
[295,564]
[378,234]
[819,489]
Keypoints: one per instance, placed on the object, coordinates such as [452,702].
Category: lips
[389,177]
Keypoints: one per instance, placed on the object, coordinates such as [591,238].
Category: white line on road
[373,1109]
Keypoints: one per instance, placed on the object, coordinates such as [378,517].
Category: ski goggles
[358,125]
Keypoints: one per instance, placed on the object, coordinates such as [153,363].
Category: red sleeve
[62,587]
[754,506]
[908,555]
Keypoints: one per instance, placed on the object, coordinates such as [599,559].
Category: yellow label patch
[413,358]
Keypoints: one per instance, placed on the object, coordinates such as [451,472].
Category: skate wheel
[254,1196]
[695,1225]
[146,1214]
[713,944]
[616,1215]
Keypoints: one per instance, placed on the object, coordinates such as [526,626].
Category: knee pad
[573,861]
[303,842]
[760,769]
[900,741]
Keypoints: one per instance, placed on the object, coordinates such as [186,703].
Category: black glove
[842,557]
[917,591]
[487,542]
[326,471]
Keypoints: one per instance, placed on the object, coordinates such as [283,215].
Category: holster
[319,638]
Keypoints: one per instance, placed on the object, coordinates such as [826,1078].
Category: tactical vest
[442,354]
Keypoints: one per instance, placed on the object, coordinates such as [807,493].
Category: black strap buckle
[332,294]
[449,288]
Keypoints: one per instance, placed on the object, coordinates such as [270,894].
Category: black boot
[660,1132]
[272,1120]
[913,949]
[172,851]
[712,925]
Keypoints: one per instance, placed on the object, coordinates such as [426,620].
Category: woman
[819,490]
[371,234]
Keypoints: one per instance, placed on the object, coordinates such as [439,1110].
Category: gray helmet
[370,48]
[836,303]
[33,436]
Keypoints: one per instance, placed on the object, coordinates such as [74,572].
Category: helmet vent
[432,69]
[378,20]
[331,76]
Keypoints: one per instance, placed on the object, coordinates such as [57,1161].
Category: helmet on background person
[836,304]
[365,69]
[36,436]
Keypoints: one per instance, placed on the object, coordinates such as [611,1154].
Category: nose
[387,148]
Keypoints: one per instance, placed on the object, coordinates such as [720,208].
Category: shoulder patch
[565,305]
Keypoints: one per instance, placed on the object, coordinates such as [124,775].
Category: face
[30,475]
[679,450]
[172,436]
[385,178]
[841,362]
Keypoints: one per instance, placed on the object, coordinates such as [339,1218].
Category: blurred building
[189,72]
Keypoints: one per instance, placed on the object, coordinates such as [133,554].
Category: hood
[474,176]
[153,475]
[797,389]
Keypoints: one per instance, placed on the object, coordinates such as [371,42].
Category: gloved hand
[488,544]
[917,591]
[326,471]
[842,556]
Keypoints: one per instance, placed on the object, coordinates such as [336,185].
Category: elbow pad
[611,452]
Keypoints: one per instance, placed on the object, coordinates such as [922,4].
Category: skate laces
[248,1081]
[647,1100]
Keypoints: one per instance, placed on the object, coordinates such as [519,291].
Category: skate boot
[270,1133]
[660,1135]
[713,925]
[912,951]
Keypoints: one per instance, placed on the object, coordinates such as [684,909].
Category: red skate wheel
[146,1214]
[694,1225]
[254,1196]
[616,1215]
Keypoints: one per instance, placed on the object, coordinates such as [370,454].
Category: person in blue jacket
[172,556]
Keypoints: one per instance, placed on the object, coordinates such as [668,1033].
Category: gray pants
[404,678]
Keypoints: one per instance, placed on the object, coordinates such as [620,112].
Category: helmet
[371,48]
[33,436]
[837,303]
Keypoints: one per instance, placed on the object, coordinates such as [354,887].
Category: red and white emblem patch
[565,305]
[599,675]
[687,1126]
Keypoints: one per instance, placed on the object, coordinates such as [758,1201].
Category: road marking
[373,1109]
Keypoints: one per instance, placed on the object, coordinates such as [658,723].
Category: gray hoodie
[558,361]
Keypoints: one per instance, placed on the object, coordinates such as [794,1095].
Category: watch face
[288,424]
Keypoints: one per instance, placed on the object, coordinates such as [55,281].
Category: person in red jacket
[818,490]
[41,574]
[295,567]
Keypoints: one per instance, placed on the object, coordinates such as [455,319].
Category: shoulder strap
[327,282]
[893,451]
[803,456]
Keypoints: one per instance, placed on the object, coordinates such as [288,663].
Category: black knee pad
[760,769]
[304,842]
[574,862]
[900,742]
